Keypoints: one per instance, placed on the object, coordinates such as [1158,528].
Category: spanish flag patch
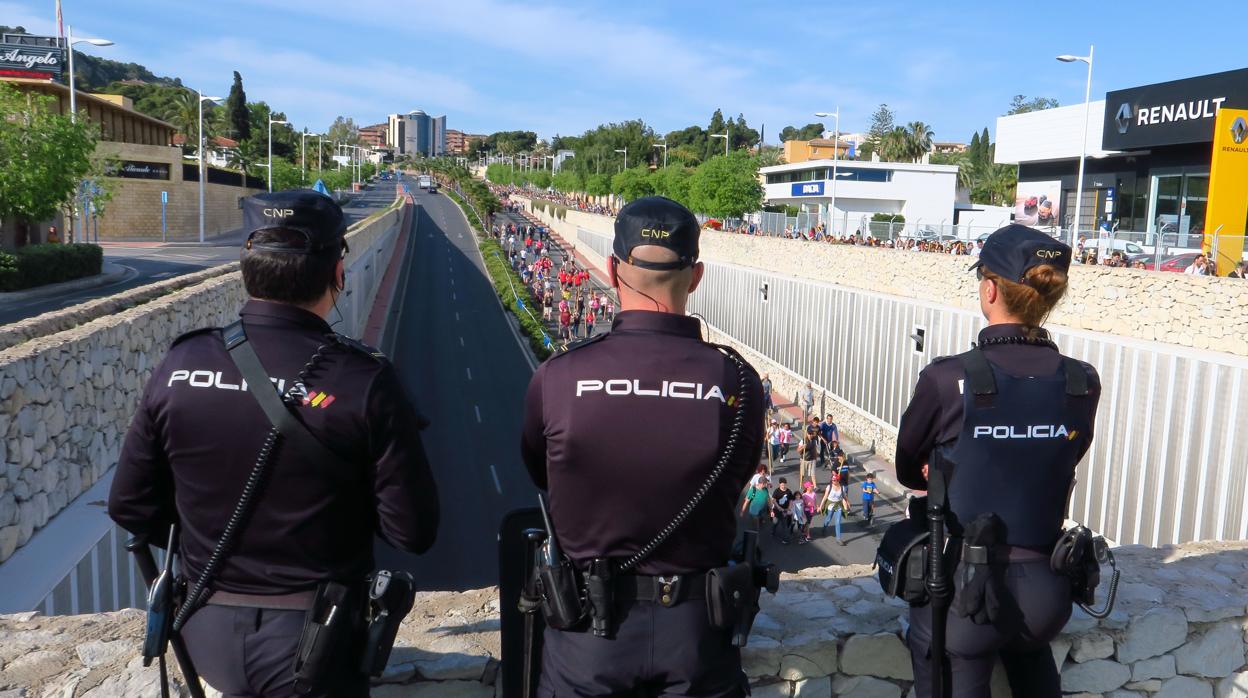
[318,399]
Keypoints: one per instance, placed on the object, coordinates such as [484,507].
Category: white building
[923,194]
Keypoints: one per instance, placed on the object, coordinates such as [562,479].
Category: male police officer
[199,430]
[678,406]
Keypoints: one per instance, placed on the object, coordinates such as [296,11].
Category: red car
[1178,263]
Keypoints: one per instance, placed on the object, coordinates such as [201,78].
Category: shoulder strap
[738,424]
[979,376]
[1076,377]
[292,430]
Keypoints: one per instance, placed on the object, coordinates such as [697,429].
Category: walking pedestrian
[808,401]
[807,452]
[832,505]
[783,499]
[868,498]
[767,393]
[786,439]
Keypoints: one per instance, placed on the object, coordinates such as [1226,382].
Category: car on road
[1105,247]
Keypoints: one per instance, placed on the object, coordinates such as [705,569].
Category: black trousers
[250,653]
[656,652]
[971,650]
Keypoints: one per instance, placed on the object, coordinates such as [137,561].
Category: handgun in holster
[326,629]
[390,598]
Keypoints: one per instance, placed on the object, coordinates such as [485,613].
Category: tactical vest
[1021,440]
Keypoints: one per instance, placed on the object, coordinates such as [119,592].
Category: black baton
[139,547]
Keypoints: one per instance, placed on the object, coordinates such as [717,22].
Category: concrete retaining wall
[1190,311]
[1178,631]
[67,397]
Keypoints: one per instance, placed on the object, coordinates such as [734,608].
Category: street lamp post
[724,136]
[73,94]
[320,150]
[1083,152]
[663,145]
[271,122]
[202,167]
[69,42]
[836,149]
[625,151]
[303,145]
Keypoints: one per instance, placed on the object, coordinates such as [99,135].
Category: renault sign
[1171,113]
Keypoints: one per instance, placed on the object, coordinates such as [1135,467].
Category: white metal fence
[1166,465]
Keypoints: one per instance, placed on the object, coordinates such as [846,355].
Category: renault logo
[1239,130]
[1123,118]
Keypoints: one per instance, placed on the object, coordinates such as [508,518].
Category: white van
[1106,247]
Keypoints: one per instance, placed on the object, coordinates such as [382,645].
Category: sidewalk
[109,273]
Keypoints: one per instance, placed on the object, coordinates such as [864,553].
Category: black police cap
[1011,251]
[318,217]
[659,221]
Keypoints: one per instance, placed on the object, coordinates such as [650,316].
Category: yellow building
[814,149]
[142,162]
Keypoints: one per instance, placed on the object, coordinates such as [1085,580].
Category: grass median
[512,291]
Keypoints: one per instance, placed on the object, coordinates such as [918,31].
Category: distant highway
[460,361]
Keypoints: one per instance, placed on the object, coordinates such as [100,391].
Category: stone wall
[134,210]
[1191,311]
[1178,631]
[67,397]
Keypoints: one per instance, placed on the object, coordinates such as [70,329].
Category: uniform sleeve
[140,499]
[917,433]
[403,485]
[533,435]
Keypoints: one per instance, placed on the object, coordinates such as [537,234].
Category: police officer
[1006,424]
[673,402]
[198,431]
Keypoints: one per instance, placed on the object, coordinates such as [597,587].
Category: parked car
[1178,263]
[1106,247]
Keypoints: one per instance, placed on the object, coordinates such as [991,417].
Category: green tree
[726,186]
[236,106]
[673,182]
[973,150]
[183,113]
[1020,104]
[540,179]
[743,137]
[718,126]
[568,181]
[43,156]
[881,123]
[511,142]
[598,185]
[343,130]
[633,183]
[805,133]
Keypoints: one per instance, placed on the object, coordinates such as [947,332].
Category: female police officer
[1005,424]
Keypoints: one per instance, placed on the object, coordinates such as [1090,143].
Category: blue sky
[564,67]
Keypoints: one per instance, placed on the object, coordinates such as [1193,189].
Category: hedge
[504,280]
[39,265]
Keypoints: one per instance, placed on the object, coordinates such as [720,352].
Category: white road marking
[497,487]
[469,371]
[478,411]
[456,317]
[461,341]
[453,295]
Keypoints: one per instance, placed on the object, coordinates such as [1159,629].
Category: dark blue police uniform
[621,431]
[192,444]
[1007,424]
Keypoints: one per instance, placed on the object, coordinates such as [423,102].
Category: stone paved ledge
[1178,632]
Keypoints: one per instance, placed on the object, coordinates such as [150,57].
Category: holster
[559,586]
[390,598]
[600,593]
[979,588]
[327,631]
[902,556]
[732,592]
[1074,556]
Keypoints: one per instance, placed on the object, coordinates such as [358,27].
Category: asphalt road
[149,262]
[465,369]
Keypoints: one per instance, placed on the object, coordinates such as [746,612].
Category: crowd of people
[570,304]
[578,202]
[798,511]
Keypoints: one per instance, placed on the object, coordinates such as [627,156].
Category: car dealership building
[1149,154]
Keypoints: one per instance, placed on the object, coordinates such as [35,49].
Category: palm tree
[894,145]
[919,137]
[183,113]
